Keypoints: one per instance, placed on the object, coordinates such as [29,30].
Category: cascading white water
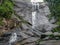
[39,15]
[35,3]
[37,0]
[33,19]
[13,38]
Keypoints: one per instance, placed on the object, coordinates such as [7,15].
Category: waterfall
[33,19]
[35,3]
[37,0]
[13,38]
[39,15]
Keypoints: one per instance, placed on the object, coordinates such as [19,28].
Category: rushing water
[33,19]
[35,3]
[13,38]
[39,15]
[37,0]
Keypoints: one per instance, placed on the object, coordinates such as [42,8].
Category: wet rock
[24,35]
[29,40]
[29,35]
[50,42]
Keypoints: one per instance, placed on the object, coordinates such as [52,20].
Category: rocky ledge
[50,42]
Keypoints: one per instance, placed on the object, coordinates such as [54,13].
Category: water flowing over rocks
[29,36]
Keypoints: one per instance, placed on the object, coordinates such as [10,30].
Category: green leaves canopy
[6,9]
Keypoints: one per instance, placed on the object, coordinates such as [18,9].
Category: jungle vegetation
[54,6]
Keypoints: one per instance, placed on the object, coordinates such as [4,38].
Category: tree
[54,6]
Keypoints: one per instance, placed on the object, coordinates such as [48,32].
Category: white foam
[13,38]
[37,0]
[33,19]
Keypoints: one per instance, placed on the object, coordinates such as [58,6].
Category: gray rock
[50,42]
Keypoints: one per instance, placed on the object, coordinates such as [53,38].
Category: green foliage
[57,29]
[6,9]
[54,6]
[1,21]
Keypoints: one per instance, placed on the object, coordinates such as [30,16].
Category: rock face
[29,36]
[24,8]
[50,42]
